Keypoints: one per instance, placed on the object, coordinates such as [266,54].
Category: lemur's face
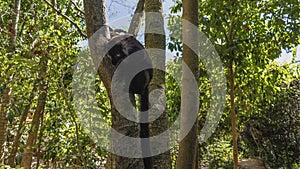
[117,55]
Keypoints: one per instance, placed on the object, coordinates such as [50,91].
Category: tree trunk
[39,144]
[188,145]
[12,155]
[155,39]
[13,28]
[38,114]
[3,120]
[95,17]
[230,46]
[232,116]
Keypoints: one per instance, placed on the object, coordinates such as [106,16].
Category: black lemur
[121,46]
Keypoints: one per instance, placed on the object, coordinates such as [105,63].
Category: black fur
[120,47]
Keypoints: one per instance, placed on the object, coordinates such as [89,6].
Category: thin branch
[77,8]
[297,61]
[67,18]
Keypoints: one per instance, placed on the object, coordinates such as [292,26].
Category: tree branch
[67,18]
[77,8]
[136,21]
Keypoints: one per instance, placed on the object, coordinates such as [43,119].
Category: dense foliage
[248,35]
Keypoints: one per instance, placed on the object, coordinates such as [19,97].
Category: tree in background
[273,133]
[41,53]
[8,74]
[248,36]
[44,130]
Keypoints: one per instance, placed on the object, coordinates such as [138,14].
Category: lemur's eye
[118,55]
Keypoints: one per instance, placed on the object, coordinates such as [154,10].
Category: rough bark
[155,39]
[13,28]
[95,16]
[187,155]
[30,145]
